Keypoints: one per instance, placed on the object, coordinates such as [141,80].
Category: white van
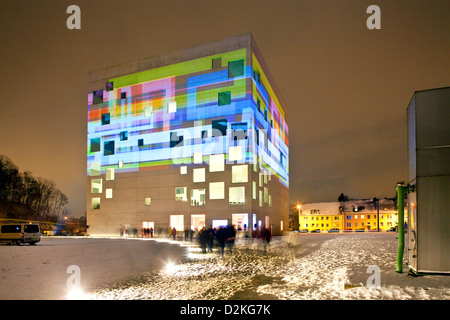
[20,233]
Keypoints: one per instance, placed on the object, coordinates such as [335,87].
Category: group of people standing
[224,236]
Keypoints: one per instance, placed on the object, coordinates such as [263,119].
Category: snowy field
[318,266]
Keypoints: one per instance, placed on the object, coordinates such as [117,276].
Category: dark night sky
[346,87]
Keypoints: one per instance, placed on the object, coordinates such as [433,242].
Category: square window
[216,190]
[239,131]
[95,144]
[216,162]
[177,222]
[236,195]
[148,111]
[110,86]
[176,140]
[123,135]
[239,174]
[109,193]
[96,186]
[236,68]
[219,127]
[106,118]
[109,174]
[181,194]
[123,95]
[224,98]
[217,63]
[172,107]
[95,168]
[148,201]
[95,203]
[235,153]
[98,96]
[108,148]
[199,175]
[198,157]
[140,142]
[198,197]
[183,170]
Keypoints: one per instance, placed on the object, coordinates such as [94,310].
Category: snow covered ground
[320,266]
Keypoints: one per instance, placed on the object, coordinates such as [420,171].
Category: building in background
[351,215]
[192,138]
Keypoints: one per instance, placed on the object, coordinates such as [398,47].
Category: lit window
[181,194]
[109,174]
[148,201]
[177,222]
[109,193]
[148,111]
[183,170]
[120,164]
[198,221]
[217,163]
[95,168]
[95,203]
[172,107]
[198,197]
[254,190]
[198,157]
[270,200]
[236,195]
[216,190]
[239,174]
[96,186]
[266,196]
[199,175]
[235,153]
[260,198]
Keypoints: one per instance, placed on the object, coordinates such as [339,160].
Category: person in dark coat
[266,238]
[230,237]
[220,236]
[203,238]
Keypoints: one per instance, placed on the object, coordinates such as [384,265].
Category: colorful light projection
[221,104]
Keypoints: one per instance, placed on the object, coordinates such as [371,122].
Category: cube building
[197,137]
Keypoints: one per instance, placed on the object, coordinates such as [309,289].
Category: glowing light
[76,294]
[171,267]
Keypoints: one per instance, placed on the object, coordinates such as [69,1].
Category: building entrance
[148,229]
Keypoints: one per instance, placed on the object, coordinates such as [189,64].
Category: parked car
[303,231]
[360,230]
[315,231]
[19,233]
[393,229]
[333,230]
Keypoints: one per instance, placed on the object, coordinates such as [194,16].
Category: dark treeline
[39,195]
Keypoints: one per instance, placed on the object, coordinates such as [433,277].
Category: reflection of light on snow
[170,268]
[76,294]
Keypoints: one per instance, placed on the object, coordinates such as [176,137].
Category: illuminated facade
[193,138]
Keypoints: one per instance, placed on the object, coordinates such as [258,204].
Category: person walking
[266,238]
[220,236]
[230,237]
[174,233]
[203,238]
